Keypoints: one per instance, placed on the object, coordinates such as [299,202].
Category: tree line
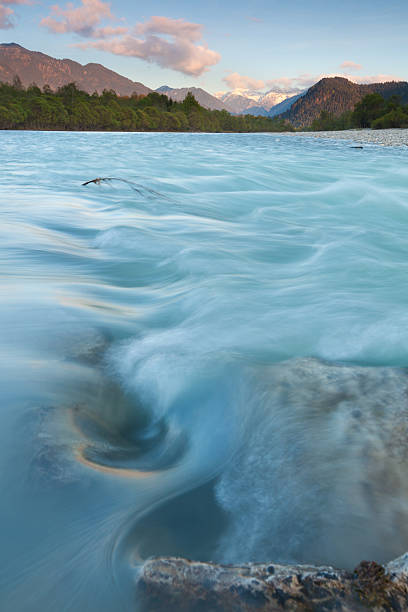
[70,108]
[373,111]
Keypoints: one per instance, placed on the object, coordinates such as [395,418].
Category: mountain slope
[337,95]
[36,67]
[203,97]
[285,105]
[237,103]
[259,111]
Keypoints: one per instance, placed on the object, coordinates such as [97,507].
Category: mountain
[337,95]
[203,97]
[237,102]
[272,98]
[247,102]
[285,105]
[250,103]
[36,67]
[164,89]
[275,110]
[255,110]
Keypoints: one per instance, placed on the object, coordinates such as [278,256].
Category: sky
[219,45]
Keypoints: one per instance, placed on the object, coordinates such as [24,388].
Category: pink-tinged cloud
[293,85]
[5,14]
[304,81]
[173,27]
[239,81]
[82,19]
[350,66]
[170,43]
[375,78]
[362,80]
[109,31]
[256,19]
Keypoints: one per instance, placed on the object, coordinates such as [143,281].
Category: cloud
[170,43]
[255,19]
[350,66]
[239,81]
[82,20]
[174,27]
[294,85]
[304,81]
[5,14]
[375,78]
[109,31]
[363,80]
[284,84]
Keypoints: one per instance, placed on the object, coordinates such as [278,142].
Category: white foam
[321,472]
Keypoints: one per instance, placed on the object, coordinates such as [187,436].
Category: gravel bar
[387,138]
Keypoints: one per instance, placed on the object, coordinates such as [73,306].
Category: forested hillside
[69,108]
[373,111]
[337,95]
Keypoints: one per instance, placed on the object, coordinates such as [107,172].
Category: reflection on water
[210,366]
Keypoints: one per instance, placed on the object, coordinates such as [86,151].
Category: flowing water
[208,360]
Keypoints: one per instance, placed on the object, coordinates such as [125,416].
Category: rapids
[212,365]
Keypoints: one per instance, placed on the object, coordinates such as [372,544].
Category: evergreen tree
[69,108]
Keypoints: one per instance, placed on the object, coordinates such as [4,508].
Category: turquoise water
[208,361]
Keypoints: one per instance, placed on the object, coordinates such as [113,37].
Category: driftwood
[140,189]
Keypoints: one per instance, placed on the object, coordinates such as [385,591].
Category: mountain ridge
[203,97]
[42,69]
[336,95]
[285,105]
[252,102]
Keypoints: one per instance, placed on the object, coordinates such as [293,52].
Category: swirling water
[211,364]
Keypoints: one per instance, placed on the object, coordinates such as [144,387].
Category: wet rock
[179,584]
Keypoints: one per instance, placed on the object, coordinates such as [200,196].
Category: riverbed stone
[191,586]
[393,137]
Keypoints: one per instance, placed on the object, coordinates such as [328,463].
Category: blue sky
[219,45]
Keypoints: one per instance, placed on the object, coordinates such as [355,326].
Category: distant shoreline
[392,137]
[87,131]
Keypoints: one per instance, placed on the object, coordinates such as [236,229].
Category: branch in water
[134,186]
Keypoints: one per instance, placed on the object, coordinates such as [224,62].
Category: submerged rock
[183,585]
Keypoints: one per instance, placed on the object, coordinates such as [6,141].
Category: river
[205,357]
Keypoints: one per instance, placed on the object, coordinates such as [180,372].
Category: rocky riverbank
[170,584]
[388,138]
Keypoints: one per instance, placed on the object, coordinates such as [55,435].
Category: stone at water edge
[189,586]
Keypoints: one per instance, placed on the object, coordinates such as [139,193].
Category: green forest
[69,108]
[373,111]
